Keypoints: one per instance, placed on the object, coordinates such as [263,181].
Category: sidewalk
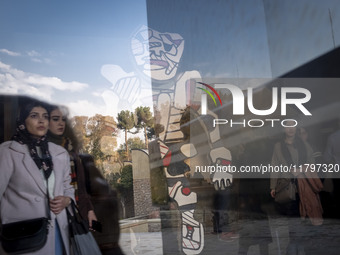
[327,240]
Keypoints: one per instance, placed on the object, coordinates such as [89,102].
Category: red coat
[310,205]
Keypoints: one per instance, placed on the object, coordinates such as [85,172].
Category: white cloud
[37,60]
[37,57]
[9,84]
[47,60]
[86,108]
[54,82]
[4,66]
[97,94]
[10,53]
[34,56]
[14,81]
[33,53]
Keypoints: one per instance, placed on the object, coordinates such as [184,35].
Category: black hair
[27,107]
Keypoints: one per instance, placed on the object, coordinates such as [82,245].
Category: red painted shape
[186,191]
[167,159]
[225,162]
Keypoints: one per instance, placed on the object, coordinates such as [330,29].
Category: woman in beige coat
[26,162]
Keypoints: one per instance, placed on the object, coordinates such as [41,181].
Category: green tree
[126,179]
[123,183]
[144,120]
[126,122]
[133,143]
[114,179]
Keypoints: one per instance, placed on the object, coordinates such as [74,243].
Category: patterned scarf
[67,144]
[44,162]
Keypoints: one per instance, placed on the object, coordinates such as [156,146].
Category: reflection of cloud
[14,81]
[41,60]
[86,108]
[10,53]
[55,83]
[37,60]
[36,57]
[33,53]
[5,67]
[97,94]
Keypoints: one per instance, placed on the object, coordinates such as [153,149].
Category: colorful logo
[239,100]
[209,93]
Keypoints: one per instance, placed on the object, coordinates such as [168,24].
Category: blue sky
[55,50]
[62,46]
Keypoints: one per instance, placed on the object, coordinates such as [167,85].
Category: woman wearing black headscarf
[30,169]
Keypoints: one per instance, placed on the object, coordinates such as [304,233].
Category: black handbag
[27,235]
[285,191]
[24,236]
[82,240]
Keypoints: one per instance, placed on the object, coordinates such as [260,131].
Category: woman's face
[37,122]
[57,122]
[290,131]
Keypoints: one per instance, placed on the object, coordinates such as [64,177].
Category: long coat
[310,205]
[23,192]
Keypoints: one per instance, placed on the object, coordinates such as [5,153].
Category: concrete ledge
[139,225]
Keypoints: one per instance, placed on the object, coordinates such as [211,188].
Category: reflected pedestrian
[287,191]
[56,134]
[30,169]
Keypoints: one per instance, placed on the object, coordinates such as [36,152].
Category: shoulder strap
[48,209]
